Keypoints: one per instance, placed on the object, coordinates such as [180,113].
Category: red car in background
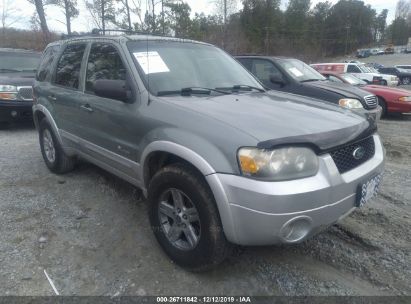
[391,100]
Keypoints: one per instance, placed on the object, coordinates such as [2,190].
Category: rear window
[69,65]
[46,64]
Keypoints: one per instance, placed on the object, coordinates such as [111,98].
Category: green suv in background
[220,161]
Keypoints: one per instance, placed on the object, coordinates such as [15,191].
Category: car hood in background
[345,90]
[280,118]
[17,79]
[376,89]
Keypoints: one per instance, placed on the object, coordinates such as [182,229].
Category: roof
[120,38]
[23,51]
[263,56]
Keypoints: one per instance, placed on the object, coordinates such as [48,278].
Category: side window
[263,69]
[69,65]
[46,64]
[353,69]
[246,62]
[104,62]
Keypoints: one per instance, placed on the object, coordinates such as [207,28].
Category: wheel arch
[40,112]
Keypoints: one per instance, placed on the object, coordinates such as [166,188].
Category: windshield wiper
[191,91]
[9,70]
[310,80]
[242,87]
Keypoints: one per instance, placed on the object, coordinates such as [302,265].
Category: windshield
[171,66]
[299,70]
[353,80]
[18,62]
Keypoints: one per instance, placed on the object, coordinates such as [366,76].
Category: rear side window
[46,64]
[104,62]
[69,65]
[353,69]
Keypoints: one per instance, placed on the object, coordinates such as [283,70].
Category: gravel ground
[89,230]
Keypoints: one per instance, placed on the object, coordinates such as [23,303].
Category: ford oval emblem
[358,153]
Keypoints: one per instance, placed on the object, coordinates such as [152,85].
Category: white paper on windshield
[296,72]
[151,62]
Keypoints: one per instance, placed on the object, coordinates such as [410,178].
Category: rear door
[66,92]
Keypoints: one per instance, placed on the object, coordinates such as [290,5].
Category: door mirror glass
[113,89]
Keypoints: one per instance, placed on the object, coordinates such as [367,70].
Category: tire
[181,185]
[406,81]
[384,82]
[383,106]
[57,161]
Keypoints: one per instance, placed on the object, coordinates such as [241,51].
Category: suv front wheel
[54,157]
[184,218]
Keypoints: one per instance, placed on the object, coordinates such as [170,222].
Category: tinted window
[46,63]
[263,69]
[334,79]
[68,68]
[353,69]
[104,62]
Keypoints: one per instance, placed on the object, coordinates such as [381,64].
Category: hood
[345,90]
[377,89]
[17,79]
[279,118]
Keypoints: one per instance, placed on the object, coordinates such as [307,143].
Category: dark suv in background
[17,71]
[403,74]
[294,76]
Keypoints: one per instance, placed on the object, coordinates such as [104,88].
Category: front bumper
[15,111]
[375,114]
[399,107]
[257,213]
[392,83]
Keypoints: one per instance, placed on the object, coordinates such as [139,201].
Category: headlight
[8,92]
[350,103]
[405,98]
[278,164]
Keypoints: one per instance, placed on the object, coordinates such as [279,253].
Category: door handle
[87,108]
[52,97]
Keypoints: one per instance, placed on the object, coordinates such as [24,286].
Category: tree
[39,4]
[102,12]
[178,18]
[69,9]
[9,14]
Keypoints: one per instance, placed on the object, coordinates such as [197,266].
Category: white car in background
[359,70]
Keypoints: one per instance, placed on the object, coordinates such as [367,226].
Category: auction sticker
[151,62]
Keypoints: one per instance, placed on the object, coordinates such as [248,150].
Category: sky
[23,10]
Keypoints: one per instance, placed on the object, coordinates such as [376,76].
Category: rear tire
[54,157]
[203,245]
[383,106]
[384,82]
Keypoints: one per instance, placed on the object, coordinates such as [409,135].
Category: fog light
[13,113]
[296,229]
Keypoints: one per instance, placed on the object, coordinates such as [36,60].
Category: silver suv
[220,161]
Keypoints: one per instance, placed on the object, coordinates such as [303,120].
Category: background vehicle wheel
[383,105]
[406,80]
[384,82]
[55,158]
[185,219]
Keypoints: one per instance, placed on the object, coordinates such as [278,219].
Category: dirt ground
[89,230]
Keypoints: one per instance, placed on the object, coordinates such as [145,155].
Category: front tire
[383,105]
[54,157]
[185,219]
[406,81]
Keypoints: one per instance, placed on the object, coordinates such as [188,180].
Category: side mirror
[277,79]
[113,89]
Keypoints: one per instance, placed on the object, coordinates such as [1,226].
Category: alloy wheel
[48,145]
[179,219]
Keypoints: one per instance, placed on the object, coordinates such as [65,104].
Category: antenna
[148,59]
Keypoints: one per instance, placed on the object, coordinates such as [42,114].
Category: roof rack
[111,32]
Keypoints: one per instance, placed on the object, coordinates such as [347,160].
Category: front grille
[344,157]
[25,93]
[371,101]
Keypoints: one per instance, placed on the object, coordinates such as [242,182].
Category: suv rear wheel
[54,157]
[184,218]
